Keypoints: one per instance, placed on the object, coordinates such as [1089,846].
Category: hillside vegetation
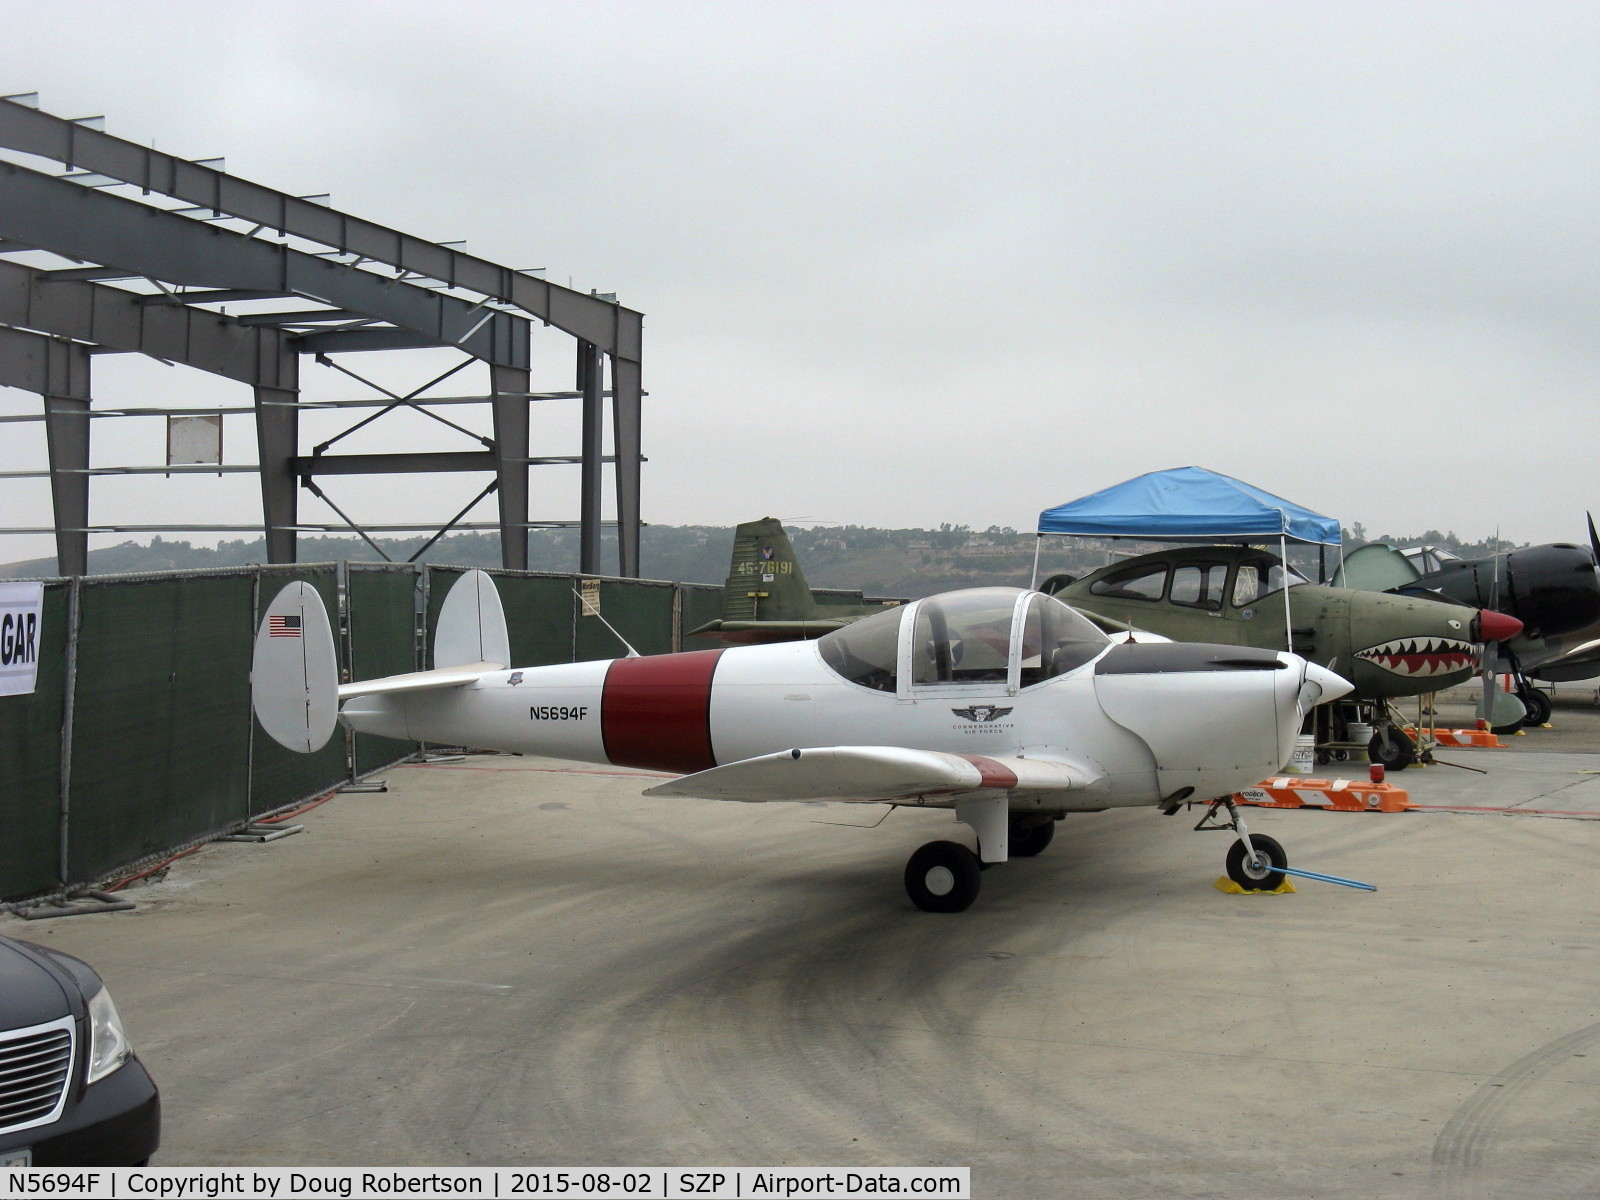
[880,562]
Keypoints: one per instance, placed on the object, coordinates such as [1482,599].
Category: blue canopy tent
[1188,504]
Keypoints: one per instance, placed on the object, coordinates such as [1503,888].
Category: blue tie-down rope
[1349,883]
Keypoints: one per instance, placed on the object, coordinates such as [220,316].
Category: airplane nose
[1332,686]
[1496,627]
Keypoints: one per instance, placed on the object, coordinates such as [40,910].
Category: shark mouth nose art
[1418,658]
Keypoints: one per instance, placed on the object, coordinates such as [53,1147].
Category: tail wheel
[1264,873]
[943,877]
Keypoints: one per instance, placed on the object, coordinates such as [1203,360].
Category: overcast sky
[906,263]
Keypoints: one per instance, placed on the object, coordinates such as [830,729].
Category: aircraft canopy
[1189,504]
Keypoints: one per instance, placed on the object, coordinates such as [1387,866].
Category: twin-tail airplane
[1002,704]
[1386,646]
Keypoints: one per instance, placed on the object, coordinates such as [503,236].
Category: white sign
[21,621]
[194,440]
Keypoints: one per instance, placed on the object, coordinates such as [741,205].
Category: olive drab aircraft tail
[1002,704]
[766,598]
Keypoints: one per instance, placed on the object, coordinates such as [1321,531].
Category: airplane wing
[1579,664]
[873,774]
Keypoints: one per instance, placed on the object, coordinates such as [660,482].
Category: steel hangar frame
[159,245]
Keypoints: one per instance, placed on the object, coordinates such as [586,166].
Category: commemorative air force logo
[982,713]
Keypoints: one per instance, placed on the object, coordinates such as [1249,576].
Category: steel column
[511,461]
[591,372]
[278,443]
[626,403]
[66,423]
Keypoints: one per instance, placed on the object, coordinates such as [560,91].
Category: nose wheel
[1260,870]
[1256,861]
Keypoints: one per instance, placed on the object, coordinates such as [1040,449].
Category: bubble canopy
[1000,637]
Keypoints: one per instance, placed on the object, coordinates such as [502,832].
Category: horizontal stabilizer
[870,774]
[420,681]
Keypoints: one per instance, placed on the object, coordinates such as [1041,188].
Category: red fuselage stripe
[994,775]
[655,712]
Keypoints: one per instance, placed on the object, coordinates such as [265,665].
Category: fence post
[74,600]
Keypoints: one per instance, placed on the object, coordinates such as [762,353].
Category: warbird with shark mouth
[1002,704]
[1388,646]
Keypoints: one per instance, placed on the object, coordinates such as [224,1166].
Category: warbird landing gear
[1256,862]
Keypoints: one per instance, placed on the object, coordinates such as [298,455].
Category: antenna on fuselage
[595,612]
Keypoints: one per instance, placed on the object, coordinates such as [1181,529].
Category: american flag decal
[283,626]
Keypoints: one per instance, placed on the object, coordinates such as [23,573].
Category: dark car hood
[32,989]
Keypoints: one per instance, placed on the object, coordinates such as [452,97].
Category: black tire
[1395,751]
[1263,877]
[943,877]
[1029,840]
[1538,706]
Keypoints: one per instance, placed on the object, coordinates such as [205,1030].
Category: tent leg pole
[1288,613]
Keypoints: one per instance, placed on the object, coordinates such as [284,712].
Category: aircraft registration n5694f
[1005,705]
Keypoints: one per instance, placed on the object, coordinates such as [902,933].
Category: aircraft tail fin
[765,582]
[1375,567]
[472,626]
[294,673]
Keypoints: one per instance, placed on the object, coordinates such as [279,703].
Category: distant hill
[879,562]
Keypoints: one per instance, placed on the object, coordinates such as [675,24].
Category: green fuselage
[1385,645]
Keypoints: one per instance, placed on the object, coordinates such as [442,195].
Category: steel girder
[107,316]
[616,330]
[85,224]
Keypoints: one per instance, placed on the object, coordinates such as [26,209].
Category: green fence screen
[381,626]
[161,724]
[140,736]
[30,763]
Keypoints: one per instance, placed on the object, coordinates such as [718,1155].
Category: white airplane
[1005,705]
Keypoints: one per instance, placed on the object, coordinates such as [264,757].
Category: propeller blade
[1594,538]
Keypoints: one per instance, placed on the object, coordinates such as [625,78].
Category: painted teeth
[1420,658]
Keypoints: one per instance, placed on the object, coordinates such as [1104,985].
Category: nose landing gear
[1256,862]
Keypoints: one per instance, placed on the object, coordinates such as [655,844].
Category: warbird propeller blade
[1004,705]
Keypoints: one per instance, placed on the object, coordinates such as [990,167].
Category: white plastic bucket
[1304,758]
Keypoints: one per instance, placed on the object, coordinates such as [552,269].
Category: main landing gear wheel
[1538,706]
[1392,748]
[1264,873]
[943,877]
[1029,840]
